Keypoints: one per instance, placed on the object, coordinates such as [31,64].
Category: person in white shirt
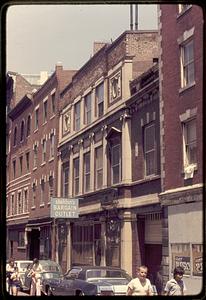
[140,285]
[176,285]
[35,278]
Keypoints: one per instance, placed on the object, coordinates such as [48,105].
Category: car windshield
[104,273]
[51,275]
[24,265]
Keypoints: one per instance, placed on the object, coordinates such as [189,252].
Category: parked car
[22,267]
[88,280]
[50,270]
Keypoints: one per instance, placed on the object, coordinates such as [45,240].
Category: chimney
[97,46]
[136,16]
[131,17]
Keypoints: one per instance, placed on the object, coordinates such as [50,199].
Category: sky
[39,36]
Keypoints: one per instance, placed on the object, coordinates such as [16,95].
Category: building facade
[32,169]
[181,115]
[107,160]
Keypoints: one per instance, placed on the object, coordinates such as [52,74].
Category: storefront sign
[197,253]
[183,261]
[64,208]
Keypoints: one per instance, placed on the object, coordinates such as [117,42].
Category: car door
[65,287]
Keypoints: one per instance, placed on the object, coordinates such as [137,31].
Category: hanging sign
[64,208]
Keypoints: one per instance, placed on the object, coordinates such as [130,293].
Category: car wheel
[79,293]
[49,292]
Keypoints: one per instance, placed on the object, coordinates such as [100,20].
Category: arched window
[28,126]
[15,136]
[22,130]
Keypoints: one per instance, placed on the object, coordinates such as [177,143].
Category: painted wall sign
[64,208]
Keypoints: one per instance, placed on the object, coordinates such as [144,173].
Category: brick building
[102,160]
[181,115]
[32,168]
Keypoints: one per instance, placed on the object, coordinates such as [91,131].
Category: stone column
[92,161]
[70,170]
[104,134]
[103,241]
[69,244]
[126,240]
[81,166]
[126,148]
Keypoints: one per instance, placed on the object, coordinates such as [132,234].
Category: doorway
[34,242]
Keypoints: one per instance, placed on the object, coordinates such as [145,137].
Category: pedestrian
[176,285]
[13,278]
[158,281]
[140,285]
[35,278]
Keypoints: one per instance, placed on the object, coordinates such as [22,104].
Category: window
[33,195]
[28,130]
[27,161]
[14,169]
[76,176]
[190,142]
[77,116]
[19,203]
[187,63]
[22,131]
[21,239]
[88,109]
[42,192]
[36,118]
[87,172]
[44,111]
[51,187]
[65,187]
[35,156]
[12,205]
[25,200]
[44,150]
[150,149]
[116,163]
[21,164]
[183,7]
[100,100]
[15,136]
[53,106]
[197,259]
[51,145]
[99,167]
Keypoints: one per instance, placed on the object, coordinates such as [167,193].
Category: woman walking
[13,277]
[35,278]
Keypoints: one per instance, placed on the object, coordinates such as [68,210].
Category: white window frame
[117,165]
[98,168]
[87,172]
[43,150]
[26,192]
[65,181]
[45,111]
[52,138]
[36,119]
[186,144]
[42,188]
[76,175]
[99,99]
[35,155]
[150,151]
[88,108]
[77,116]
[186,65]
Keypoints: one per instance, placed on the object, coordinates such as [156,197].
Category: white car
[22,267]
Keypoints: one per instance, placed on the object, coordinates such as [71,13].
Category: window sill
[44,163]
[33,207]
[52,117]
[41,205]
[185,88]
[35,168]
[44,123]
[36,130]
[51,159]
